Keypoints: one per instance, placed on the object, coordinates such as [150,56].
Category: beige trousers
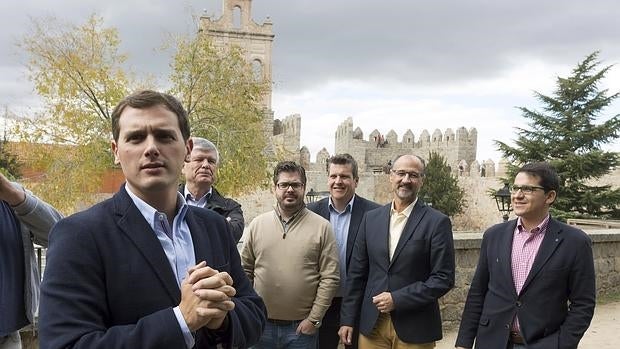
[384,336]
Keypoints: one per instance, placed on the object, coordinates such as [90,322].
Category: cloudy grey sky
[398,64]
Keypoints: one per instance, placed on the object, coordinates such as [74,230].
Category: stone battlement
[375,151]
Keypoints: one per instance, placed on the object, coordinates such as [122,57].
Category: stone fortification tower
[349,140]
[236,27]
[374,153]
[286,137]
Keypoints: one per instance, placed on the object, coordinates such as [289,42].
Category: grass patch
[608,298]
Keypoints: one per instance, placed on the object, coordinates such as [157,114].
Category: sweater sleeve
[329,271]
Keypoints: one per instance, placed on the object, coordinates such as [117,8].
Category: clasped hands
[206,297]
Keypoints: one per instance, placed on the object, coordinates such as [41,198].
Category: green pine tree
[566,132]
[441,188]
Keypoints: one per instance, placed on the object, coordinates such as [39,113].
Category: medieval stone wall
[286,136]
[378,149]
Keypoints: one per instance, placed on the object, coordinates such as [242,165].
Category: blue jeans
[283,336]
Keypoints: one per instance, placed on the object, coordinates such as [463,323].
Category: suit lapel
[550,243]
[200,238]
[357,213]
[504,254]
[379,234]
[419,210]
[135,227]
[323,206]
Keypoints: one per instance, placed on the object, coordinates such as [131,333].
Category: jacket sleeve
[329,275]
[36,216]
[247,320]
[235,219]
[475,300]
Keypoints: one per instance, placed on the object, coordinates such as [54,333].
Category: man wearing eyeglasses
[344,209]
[534,286]
[402,262]
[291,256]
[200,173]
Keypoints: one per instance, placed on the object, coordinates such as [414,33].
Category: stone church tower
[236,27]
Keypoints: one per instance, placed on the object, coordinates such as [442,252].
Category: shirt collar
[297,213]
[149,212]
[540,228]
[188,195]
[407,211]
[348,208]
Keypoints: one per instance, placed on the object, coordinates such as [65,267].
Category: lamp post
[311,195]
[502,199]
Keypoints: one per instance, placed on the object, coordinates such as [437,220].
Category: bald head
[406,179]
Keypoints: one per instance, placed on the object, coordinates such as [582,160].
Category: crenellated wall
[286,135]
[378,149]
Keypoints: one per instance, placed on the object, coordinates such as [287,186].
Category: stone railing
[594,223]
[606,249]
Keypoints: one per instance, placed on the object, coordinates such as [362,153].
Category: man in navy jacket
[534,285]
[402,263]
[143,269]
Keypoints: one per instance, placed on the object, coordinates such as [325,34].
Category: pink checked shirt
[525,245]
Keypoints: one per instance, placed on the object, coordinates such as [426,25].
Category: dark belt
[283,322]
[516,338]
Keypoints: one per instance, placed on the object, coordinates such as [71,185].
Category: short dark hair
[549,179]
[345,159]
[148,98]
[416,156]
[289,166]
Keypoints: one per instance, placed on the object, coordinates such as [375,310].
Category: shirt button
[518,304]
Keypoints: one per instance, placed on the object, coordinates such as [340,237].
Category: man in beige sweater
[290,255]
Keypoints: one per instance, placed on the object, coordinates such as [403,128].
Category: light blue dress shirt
[202,202]
[177,244]
[340,225]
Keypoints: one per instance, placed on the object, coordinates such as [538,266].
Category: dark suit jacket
[108,283]
[421,271]
[562,273]
[360,206]
[227,208]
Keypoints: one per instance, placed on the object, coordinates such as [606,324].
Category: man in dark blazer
[344,209]
[200,173]
[143,269]
[402,262]
[534,286]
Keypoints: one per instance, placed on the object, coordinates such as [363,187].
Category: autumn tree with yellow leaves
[77,71]
[222,95]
